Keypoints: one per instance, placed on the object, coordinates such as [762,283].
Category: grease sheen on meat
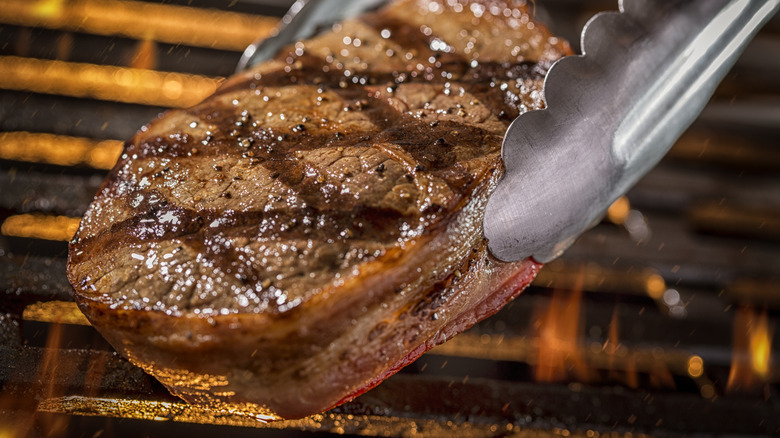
[316,224]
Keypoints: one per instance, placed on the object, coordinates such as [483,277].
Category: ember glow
[619,210]
[751,358]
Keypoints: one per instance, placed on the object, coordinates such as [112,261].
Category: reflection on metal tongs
[612,113]
[304,19]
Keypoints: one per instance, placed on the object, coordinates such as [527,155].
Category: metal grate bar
[142,20]
[119,84]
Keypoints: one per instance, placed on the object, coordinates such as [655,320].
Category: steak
[316,224]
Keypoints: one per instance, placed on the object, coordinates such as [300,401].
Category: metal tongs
[612,113]
[304,19]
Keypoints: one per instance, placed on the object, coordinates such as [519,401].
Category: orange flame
[628,375]
[559,334]
[28,420]
[751,357]
[54,425]
[560,352]
[145,55]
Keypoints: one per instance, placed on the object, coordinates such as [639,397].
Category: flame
[627,373]
[145,55]
[52,378]
[560,353]
[51,358]
[28,420]
[752,354]
[559,337]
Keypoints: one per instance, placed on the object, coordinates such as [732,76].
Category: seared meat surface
[316,224]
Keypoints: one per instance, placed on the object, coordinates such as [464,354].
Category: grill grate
[653,300]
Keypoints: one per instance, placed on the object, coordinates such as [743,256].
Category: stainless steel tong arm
[304,19]
[612,113]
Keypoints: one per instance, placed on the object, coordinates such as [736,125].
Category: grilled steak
[316,224]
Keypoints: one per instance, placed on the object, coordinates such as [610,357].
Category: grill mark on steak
[439,73]
[276,150]
[295,224]
[413,134]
